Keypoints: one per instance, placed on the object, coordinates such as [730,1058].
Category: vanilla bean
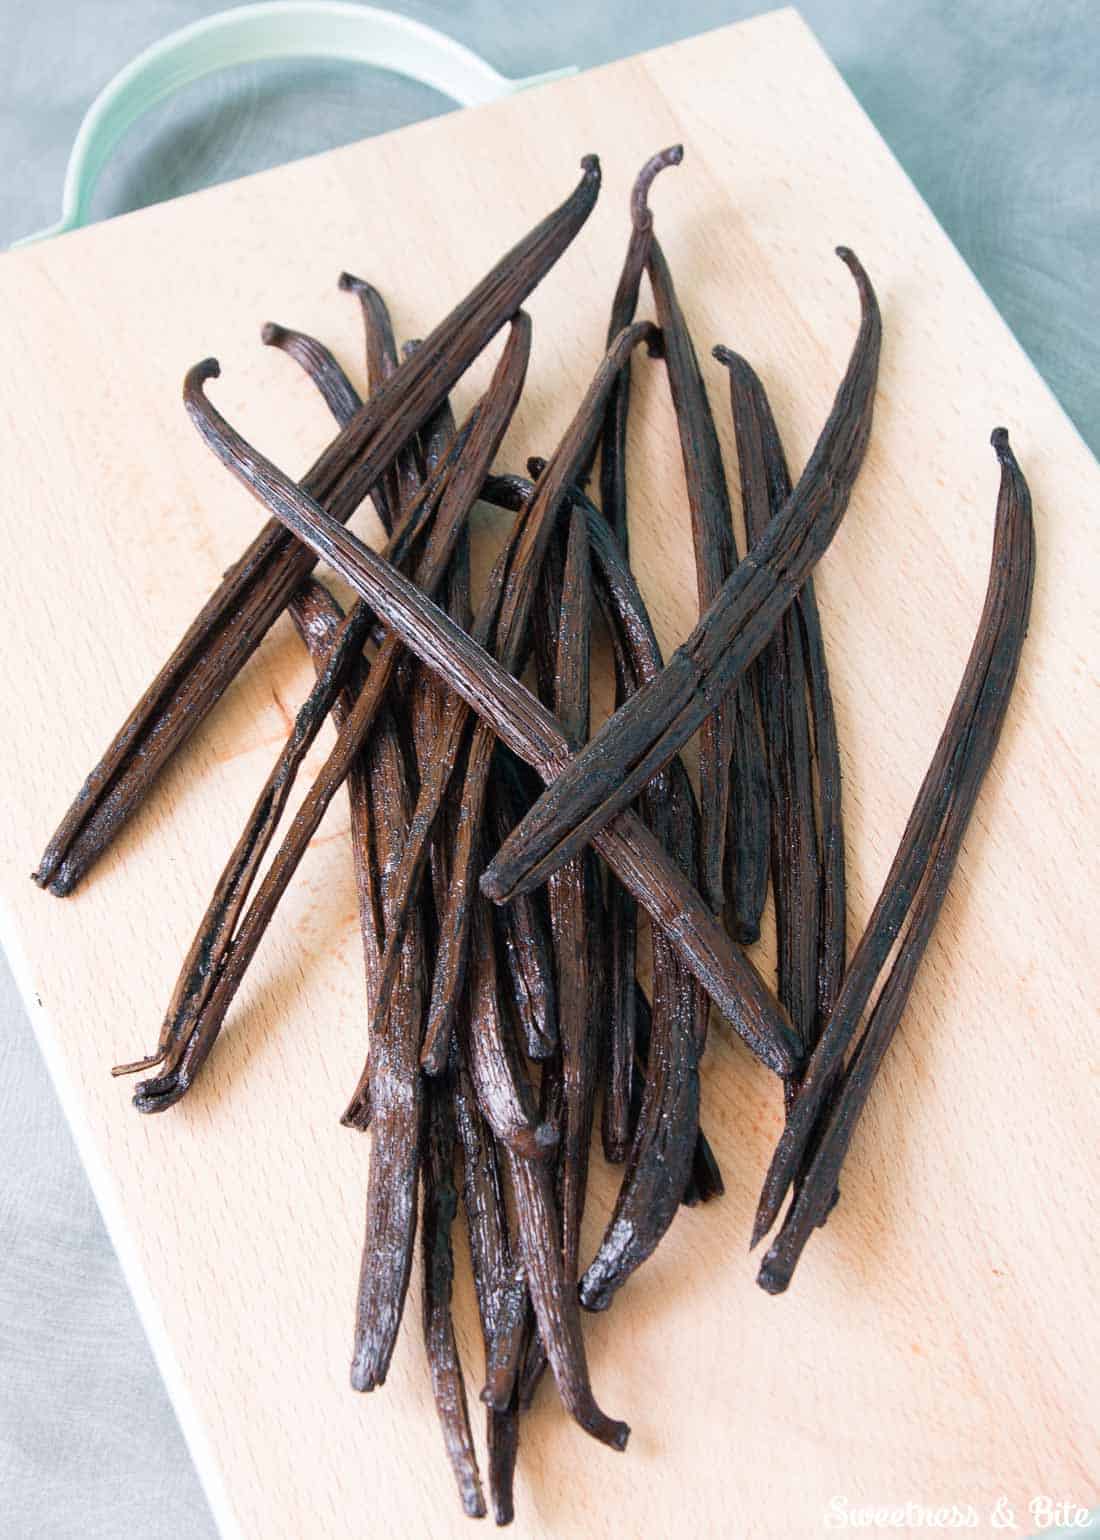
[911,898]
[665,1135]
[570,906]
[613,486]
[396,1091]
[732,778]
[337,391]
[317,616]
[554,1299]
[494,1268]
[446,440]
[521,1347]
[258,587]
[641,736]
[621,908]
[660,1161]
[440,1207]
[800,738]
[622,911]
[637,658]
[403,478]
[833,906]
[522,723]
[505,1100]
[395,1108]
[503,1440]
[391,1190]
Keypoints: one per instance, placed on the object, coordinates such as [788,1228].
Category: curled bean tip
[856,268]
[734,362]
[640,213]
[197,376]
[365,292]
[272,333]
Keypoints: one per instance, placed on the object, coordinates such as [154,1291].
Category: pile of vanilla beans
[503,853]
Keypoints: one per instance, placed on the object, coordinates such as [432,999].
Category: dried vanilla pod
[494,1267]
[440,1207]
[571,902]
[504,1096]
[732,777]
[800,740]
[665,1129]
[912,896]
[404,476]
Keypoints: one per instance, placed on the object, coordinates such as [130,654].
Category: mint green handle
[280,29]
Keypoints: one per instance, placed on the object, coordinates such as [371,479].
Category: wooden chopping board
[940,1343]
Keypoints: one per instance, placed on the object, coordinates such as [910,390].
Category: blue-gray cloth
[992,108]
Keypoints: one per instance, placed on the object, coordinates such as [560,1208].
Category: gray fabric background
[992,108]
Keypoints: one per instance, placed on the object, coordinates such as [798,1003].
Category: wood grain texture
[941,1340]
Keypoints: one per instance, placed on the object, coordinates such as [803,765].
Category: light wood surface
[940,1343]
